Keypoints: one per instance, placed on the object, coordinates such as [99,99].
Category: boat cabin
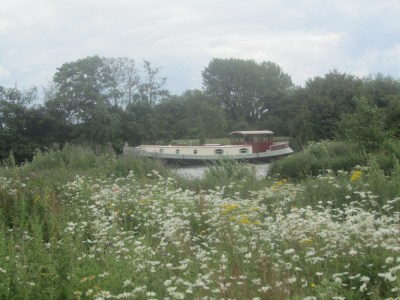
[260,140]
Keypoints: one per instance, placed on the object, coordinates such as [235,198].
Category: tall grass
[318,157]
[87,225]
[72,160]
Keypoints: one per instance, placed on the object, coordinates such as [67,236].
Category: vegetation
[361,138]
[76,224]
[79,221]
[110,101]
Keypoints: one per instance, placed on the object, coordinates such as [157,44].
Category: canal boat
[247,146]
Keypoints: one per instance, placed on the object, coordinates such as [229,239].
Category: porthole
[244,150]
[161,150]
[195,151]
[219,151]
[177,151]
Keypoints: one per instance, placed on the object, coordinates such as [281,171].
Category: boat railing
[278,146]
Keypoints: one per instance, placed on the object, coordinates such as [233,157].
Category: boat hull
[198,159]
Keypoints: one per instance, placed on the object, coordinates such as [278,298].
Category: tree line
[112,101]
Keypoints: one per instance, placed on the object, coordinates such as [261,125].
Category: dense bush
[318,157]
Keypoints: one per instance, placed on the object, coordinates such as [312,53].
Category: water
[197,172]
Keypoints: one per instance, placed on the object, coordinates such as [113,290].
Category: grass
[77,224]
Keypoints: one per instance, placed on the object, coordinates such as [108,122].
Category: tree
[247,90]
[81,86]
[301,127]
[381,89]
[124,81]
[17,125]
[392,115]
[204,117]
[151,88]
[105,127]
[192,115]
[364,127]
[327,98]
[139,123]
[88,98]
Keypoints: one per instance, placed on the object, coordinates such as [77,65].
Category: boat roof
[251,132]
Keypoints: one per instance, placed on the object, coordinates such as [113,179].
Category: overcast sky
[305,37]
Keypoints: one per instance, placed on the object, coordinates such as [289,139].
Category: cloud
[306,38]
[4,73]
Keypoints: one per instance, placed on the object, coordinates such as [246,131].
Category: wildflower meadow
[154,236]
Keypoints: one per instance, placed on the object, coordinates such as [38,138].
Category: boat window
[177,151]
[161,150]
[266,138]
[195,151]
[244,150]
[237,139]
[219,151]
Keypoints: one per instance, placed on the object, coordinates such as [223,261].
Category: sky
[306,38]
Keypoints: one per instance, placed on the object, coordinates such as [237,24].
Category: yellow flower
[355,175]
[227,208]
[306,241]
[312,285]
[276,185]
[244,221]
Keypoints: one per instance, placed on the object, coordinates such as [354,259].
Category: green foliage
[313,111]
[318,157]
[381,89]
[10,161]
[109,101]
[71,157]
[245,88]
[392,116]
[330,236]
[75,222]
[365,126]
[192,115]
[301,127]
[229,169]
[59,165]
[19,125]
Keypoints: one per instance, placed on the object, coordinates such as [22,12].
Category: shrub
[364,127]
[318,157]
